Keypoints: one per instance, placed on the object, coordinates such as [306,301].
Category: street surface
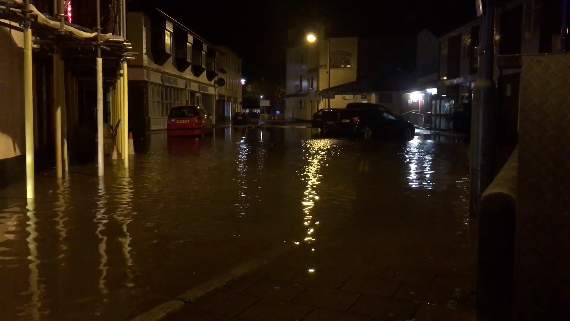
[364,231]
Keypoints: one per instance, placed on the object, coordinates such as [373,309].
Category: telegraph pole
[483,119]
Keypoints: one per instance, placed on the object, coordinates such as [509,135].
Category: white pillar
[100,136]
[120,117]
[29,113]
[57,99]
[125,113]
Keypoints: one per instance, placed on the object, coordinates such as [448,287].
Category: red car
[188,121]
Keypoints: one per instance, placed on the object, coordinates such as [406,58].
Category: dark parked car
[323,116]
[366,106]
[368,122]
[240,119]
[253,118]
[188,121]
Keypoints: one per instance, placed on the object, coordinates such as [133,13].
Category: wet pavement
[364,228]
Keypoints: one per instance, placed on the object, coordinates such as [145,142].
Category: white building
[174,67]
[230,95]
[335,72]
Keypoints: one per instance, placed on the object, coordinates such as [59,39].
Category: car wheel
[367,133]
[410,134]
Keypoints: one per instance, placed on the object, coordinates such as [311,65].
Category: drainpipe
[29,105]
[483,120]
[99,65]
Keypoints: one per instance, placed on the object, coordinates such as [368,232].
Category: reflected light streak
[33,280]
[316,154]
[125,211]
[61,207]
[241,179]
[101,220]
[420,164]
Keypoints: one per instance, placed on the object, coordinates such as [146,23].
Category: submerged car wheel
[367,133]
[410,134]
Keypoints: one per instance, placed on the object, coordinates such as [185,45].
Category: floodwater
[187,210]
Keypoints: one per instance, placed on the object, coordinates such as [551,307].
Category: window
[388,116]
[155,100]
[385,98]
[189,48]
[168,37]
[341,59]
[184,112]
[204,50]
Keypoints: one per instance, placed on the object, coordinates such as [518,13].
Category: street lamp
[311,38]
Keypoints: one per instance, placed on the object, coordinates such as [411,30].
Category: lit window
[168,37]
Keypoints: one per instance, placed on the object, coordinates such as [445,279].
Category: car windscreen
[184,112]
[329,115]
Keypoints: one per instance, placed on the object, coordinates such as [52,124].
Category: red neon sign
[69,11]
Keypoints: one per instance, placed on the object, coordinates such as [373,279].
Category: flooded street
[187,210]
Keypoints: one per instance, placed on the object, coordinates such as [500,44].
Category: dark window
[454,57]
[385,98]
[474,50]
[511,32]
[550,24]
[184,112]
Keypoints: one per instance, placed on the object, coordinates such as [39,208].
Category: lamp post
[311,38]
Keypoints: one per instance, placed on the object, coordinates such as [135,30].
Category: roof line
[180,24]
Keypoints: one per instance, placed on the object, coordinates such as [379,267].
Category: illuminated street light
[243,81]
[261,97]
[311,38]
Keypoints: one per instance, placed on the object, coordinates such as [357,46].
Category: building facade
[308,74]
[174,67]
[442,100]
[230,95]
[370,70]
[64,86]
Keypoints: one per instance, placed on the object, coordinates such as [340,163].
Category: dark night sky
[257,30]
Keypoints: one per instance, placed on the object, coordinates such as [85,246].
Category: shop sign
[173,82]
[203,88]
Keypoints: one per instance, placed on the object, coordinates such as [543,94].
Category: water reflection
[316,154]
[249,163]
[33,265]
[61,208]
[419,158]
[101,220]
[241,179]
[125,215]
[94,249]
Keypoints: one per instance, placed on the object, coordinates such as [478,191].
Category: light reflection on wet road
[93,249]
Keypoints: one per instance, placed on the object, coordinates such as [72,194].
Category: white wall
[11,94]
[339,76]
